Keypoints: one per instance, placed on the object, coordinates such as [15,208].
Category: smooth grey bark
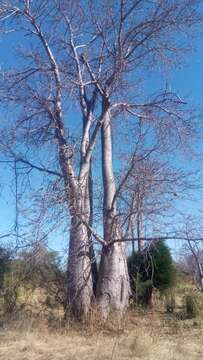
[81,257]
[113,281]
[79,274]
[87,176]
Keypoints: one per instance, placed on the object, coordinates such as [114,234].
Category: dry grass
[38,333]
[146,337]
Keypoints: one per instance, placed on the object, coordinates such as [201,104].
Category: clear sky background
[187,81]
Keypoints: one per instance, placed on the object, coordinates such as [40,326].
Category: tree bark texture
[79,274]
[113,282]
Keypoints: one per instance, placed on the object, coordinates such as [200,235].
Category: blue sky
[188,81]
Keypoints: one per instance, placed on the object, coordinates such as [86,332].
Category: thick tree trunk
[79,274]
[79,271]
[113,281]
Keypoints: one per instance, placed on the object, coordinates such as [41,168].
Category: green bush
[151,268]
[4,265]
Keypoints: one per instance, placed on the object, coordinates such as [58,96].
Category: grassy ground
[40,335]
[147,337]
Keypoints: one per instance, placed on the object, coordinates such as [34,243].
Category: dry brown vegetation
[148,336]
[137,344]
[37,331]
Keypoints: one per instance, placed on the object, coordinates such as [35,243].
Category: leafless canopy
[80,75]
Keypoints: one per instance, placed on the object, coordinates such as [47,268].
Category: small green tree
[151,268]
[4,265]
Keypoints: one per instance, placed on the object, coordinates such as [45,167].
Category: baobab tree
[132,35]
[40,88]
[91,55]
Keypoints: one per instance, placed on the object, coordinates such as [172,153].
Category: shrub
[4,265]
[191,306]
[30,270]
[9,300]
[151,268]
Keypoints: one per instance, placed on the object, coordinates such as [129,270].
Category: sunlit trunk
[79,271]
[79,274]
[113,282]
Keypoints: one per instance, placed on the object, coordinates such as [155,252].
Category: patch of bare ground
[143,336]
